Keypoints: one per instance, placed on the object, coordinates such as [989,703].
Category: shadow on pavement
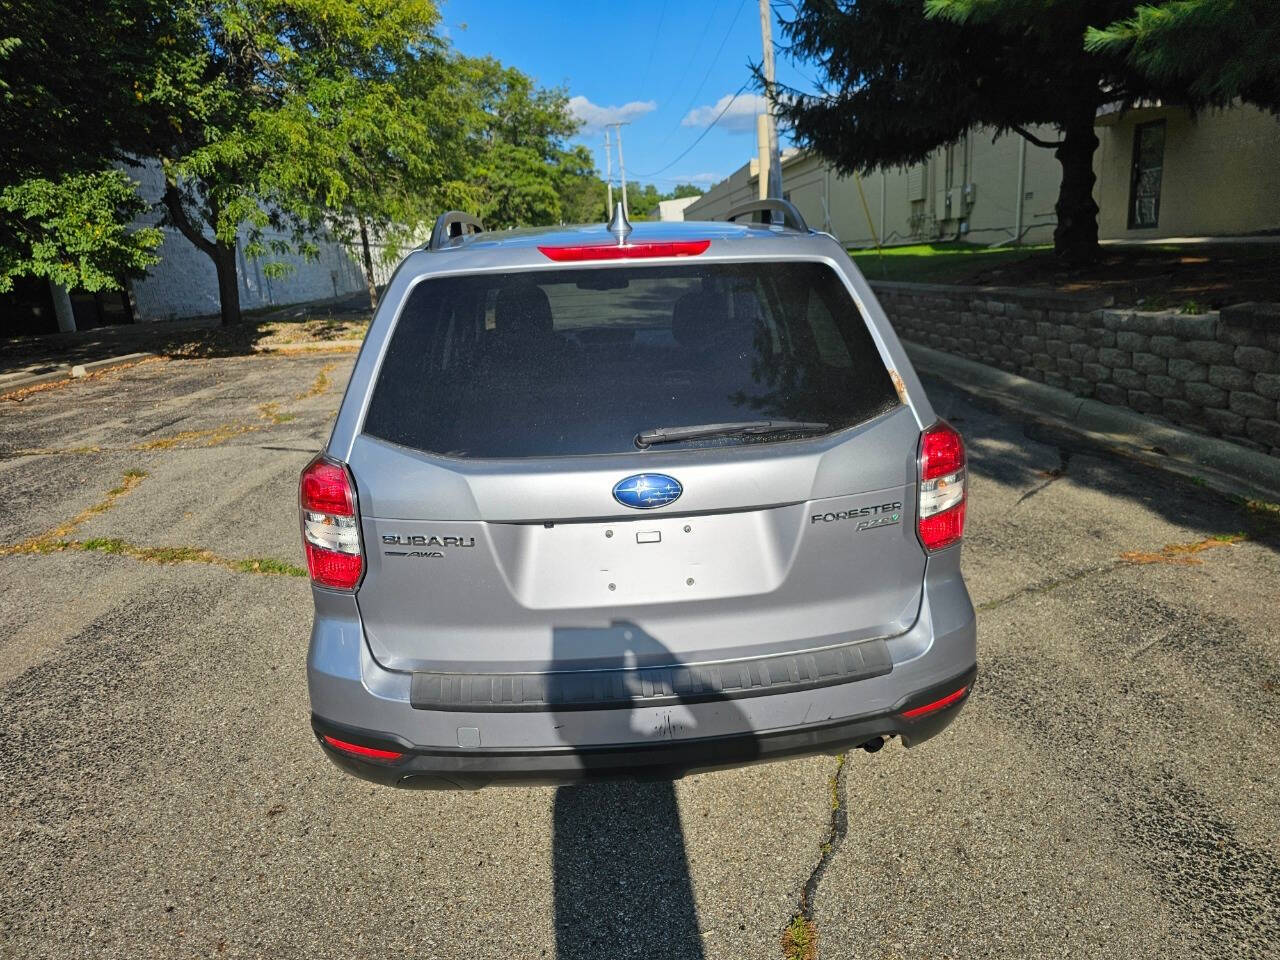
[621,874]
[1012,450]
[203,337]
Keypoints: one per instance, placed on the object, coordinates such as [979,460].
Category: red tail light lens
[627,251]
[367,753]
[942,487]
[330,525]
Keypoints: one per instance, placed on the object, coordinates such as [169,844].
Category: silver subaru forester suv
[631,502]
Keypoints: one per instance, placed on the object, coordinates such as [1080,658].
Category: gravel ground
[1109,791]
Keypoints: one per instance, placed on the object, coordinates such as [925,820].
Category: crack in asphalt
[55,541]
[1053,583]
[837,828]
[1057,473]
[38,544]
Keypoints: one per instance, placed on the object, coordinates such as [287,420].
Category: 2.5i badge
[868,518]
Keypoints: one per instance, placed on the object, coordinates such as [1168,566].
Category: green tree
[683,190]
[249,109]
[378,148]
[525,173]
[582,192]
[903,77]
[68,76]
[1217,50]
[75,231]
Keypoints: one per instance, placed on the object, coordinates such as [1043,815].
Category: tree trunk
[222,254]
[1075,239]
[224,261]
[368,265]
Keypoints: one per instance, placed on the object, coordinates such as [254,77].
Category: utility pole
[622,167]
[775,159]
[608,175]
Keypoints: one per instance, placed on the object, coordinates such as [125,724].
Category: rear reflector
[356,750]
[942,487]
[627,251]
[948,700]
[330,525]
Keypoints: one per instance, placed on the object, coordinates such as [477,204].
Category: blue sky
[653,63]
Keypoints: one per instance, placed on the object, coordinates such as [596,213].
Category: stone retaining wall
[1216,373]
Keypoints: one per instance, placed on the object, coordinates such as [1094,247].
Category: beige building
[1163,172]
[1160,173]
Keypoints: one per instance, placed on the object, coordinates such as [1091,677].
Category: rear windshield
[572,362]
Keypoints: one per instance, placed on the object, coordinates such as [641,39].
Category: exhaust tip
[873,745]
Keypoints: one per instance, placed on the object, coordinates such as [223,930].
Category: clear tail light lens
[942,487]
[330,525]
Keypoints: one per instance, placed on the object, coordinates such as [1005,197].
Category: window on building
[1148,170]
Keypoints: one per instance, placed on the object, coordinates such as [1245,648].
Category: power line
[685,152]
[653,47]
[693,56]
[707,75]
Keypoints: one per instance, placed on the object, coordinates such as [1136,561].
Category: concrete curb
[1218,464]
[84,369]
[8,384]
[11,382]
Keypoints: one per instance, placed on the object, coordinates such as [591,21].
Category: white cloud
[697,178]
[739,118]
[594,117]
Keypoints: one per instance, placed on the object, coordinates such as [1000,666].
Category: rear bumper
[472,768]
[658,725]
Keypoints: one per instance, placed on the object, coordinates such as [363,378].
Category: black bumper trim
[462,768]
[649,686]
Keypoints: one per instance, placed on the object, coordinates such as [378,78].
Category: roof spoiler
[773,206]
[452,226]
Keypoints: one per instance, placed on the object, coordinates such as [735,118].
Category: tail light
[942,487]
[330,525]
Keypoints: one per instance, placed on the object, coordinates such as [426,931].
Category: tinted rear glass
[570,362]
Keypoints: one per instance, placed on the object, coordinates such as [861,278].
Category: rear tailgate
[503,418]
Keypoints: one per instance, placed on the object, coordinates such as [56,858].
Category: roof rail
[452,225]
[773,205]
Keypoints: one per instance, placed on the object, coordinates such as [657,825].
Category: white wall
[185,284]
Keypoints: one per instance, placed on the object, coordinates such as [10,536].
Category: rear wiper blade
[702,431]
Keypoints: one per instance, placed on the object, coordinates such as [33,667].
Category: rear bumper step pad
[649,686]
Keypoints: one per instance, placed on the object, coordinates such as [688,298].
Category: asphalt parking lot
[1109,791]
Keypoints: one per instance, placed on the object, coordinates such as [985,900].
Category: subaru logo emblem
[644,491]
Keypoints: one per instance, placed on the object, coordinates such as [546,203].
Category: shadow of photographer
[620,870]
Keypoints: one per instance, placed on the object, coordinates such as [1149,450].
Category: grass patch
[1183,554]
[937,262]
[210,437]
[271,412]
[268,565]
[320,384]
[168,556]
[55,541]
[800,940]
[52,541]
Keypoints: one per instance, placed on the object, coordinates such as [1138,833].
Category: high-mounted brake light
[330,525]
[625,251]
[942,487]
[357,750]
